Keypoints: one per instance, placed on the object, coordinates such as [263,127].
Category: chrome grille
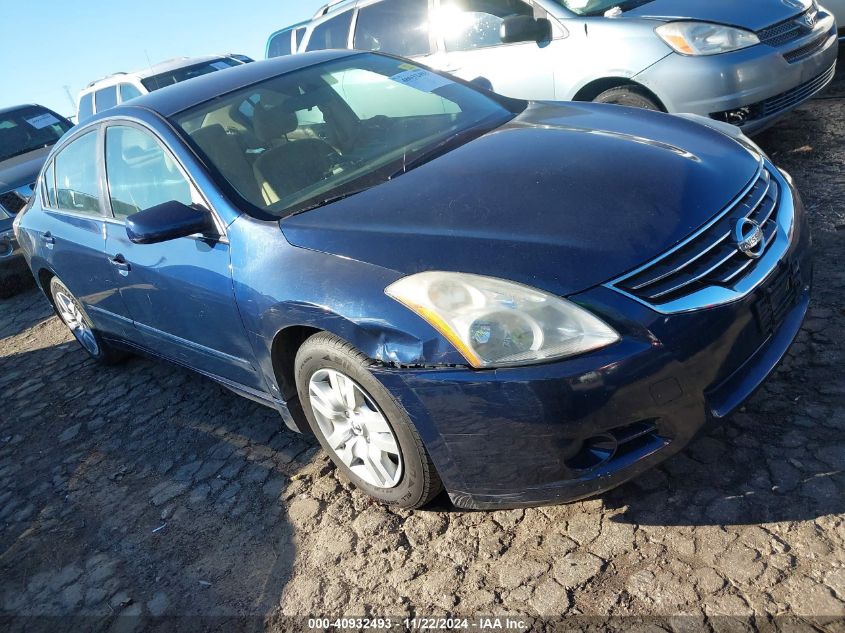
[787,31]
[711,257]
[811,48]
[15,200]
[12,201]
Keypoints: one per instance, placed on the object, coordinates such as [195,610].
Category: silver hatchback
[743,62]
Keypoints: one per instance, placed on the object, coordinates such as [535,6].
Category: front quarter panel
[278,286]
[603,48]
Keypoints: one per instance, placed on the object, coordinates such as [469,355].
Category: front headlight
[703,38]
[495,323]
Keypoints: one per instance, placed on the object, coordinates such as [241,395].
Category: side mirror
[483,83]
[523,28]
[167,221]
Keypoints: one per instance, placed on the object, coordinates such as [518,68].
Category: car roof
[292,27]
[181,96]
[333,6]
[155,69]
[8,109]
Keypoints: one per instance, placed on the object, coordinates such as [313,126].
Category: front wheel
[73,315]
[630,96]
[367,433]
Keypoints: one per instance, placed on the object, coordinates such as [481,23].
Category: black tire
[630,96]
[105,353]
[420,482]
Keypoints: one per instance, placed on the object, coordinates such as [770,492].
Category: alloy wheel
[355,428]
[71,314]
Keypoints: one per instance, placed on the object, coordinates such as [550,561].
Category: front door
[179,293]
[468,31]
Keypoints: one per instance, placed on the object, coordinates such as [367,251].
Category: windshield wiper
[426,154]
[328,200]
[25,150]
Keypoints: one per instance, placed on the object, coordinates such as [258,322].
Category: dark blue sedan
[521,302]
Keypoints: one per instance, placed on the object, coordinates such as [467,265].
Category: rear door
[179,293]
[71,232]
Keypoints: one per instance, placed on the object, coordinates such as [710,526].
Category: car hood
[563,197]
[23,169]
[748,14]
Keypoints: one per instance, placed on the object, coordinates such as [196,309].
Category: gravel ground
[145,490]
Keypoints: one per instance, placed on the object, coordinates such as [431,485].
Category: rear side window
[468,24]
[77,184]
[50,185]
[279,45]
[106,98]
[86,107]
[298,34]
[140,172]
[394,26]
[127,92]
[333,33]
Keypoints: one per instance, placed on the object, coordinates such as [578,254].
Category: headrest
[271,123]
[209,136]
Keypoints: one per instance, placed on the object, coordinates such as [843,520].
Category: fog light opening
[738,117]
[595,452]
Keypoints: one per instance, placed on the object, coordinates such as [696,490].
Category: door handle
[119,262]
[48,240]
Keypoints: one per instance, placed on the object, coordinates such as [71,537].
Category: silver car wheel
[356,430]
[72,316]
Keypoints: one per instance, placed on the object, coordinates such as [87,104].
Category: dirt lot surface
[145,490]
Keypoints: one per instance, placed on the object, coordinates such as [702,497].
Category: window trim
[220,226]
[45,190]
[94,128]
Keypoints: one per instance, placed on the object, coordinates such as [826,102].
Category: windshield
[30,128]
[302,139]
[600,7]
[176,75]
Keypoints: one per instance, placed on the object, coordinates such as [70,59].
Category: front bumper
[751,88]
[564,431]
[10,252]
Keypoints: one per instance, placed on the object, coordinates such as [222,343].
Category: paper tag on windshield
[421,79]
[42,120]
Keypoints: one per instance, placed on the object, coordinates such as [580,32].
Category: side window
[279,45]
[127,92]
[333,33]
[140,172]
[50,185]
[469,24]
[394,26]
[77,183]
[86,107]
[106,98]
